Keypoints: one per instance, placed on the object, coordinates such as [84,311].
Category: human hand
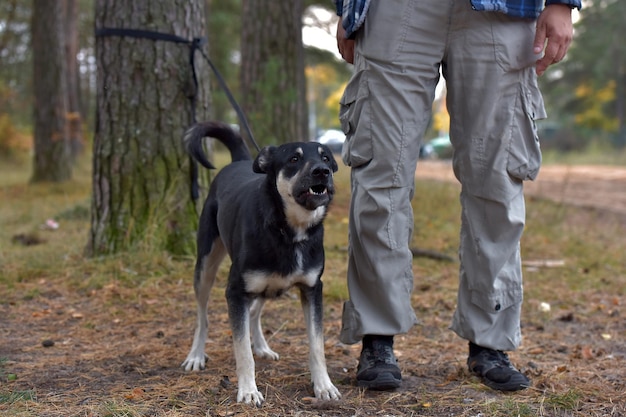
[345,46]
[554,25]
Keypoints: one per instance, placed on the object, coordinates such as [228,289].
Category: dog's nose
[320,171]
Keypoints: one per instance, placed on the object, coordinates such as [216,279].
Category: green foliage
[11,397]
[595,102]
[114,409]
[326,82]
[510,407]
[566,401]
[270,86]
[17,396]
[223,29]
[15,61]
[14,145]
[588,89]
[78,212]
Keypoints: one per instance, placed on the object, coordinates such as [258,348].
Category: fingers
[346,49]
[553,36]
[554,53]
[345,46]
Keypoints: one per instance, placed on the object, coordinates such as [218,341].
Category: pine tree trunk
[140,170]
[52,159]
[272,70]
[74,117]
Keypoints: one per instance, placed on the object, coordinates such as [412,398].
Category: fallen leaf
[587,353]
[135,394]
[41,313]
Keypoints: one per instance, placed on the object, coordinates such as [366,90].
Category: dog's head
[303,173]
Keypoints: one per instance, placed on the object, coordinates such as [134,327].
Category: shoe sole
[384,381]
[504,387]
[518,385]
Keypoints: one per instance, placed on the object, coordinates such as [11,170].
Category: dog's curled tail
[221,131]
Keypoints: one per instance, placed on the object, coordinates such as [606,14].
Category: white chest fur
[273,284]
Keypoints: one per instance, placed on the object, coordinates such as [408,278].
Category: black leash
[194,45]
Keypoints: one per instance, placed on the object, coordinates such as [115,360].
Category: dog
[267,215]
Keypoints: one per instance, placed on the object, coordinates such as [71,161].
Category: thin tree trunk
[52,159]
[74,117]
[272,70]
[140,170]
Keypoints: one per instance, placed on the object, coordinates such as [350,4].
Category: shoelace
[380,353]
[500,359]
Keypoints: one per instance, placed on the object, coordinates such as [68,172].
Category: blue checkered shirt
[353,11]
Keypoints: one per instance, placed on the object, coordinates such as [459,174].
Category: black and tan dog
[267,216]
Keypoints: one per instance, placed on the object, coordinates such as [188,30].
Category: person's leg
[493,101]
[385,110]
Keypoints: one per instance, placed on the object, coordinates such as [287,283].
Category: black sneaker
[378,367]
[495,369]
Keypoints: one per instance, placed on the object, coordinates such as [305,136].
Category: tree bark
[273,85]
[140,170]
[52,158]
[74,117]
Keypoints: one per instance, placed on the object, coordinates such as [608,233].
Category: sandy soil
[600,187]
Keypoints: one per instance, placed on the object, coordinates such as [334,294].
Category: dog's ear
[264,160]
[332,162]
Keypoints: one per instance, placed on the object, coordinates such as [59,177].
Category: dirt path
[599,187]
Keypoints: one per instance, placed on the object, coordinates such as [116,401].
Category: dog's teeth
[311,191]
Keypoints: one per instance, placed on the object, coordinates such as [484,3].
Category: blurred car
[440,147]
[333,138]
[427,151]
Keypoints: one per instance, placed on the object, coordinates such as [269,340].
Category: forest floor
[106,337]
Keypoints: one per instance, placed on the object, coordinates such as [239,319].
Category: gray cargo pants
[493,100]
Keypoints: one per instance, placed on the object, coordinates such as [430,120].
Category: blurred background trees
[280,61]
[316,73]
[586,93]
[58,137]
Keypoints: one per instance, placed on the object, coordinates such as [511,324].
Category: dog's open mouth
[318,189]
[315,196]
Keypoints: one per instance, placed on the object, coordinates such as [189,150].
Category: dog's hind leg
[204,277]
[259,344]
[311,299]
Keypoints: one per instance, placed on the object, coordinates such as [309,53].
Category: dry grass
[121,326]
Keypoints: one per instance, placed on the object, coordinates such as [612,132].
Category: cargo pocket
[497,301]
[524,156]
[355,122]
[512,41]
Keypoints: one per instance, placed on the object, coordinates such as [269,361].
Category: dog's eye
[294,159]
[325,158]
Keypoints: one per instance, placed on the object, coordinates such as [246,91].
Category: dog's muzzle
[316,189]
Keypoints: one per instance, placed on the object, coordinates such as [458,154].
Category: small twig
[425,253]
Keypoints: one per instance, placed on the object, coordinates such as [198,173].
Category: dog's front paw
[266,352]
[253,397]
[325,390]
[195,362]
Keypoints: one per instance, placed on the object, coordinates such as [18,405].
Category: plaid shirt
[353,11]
